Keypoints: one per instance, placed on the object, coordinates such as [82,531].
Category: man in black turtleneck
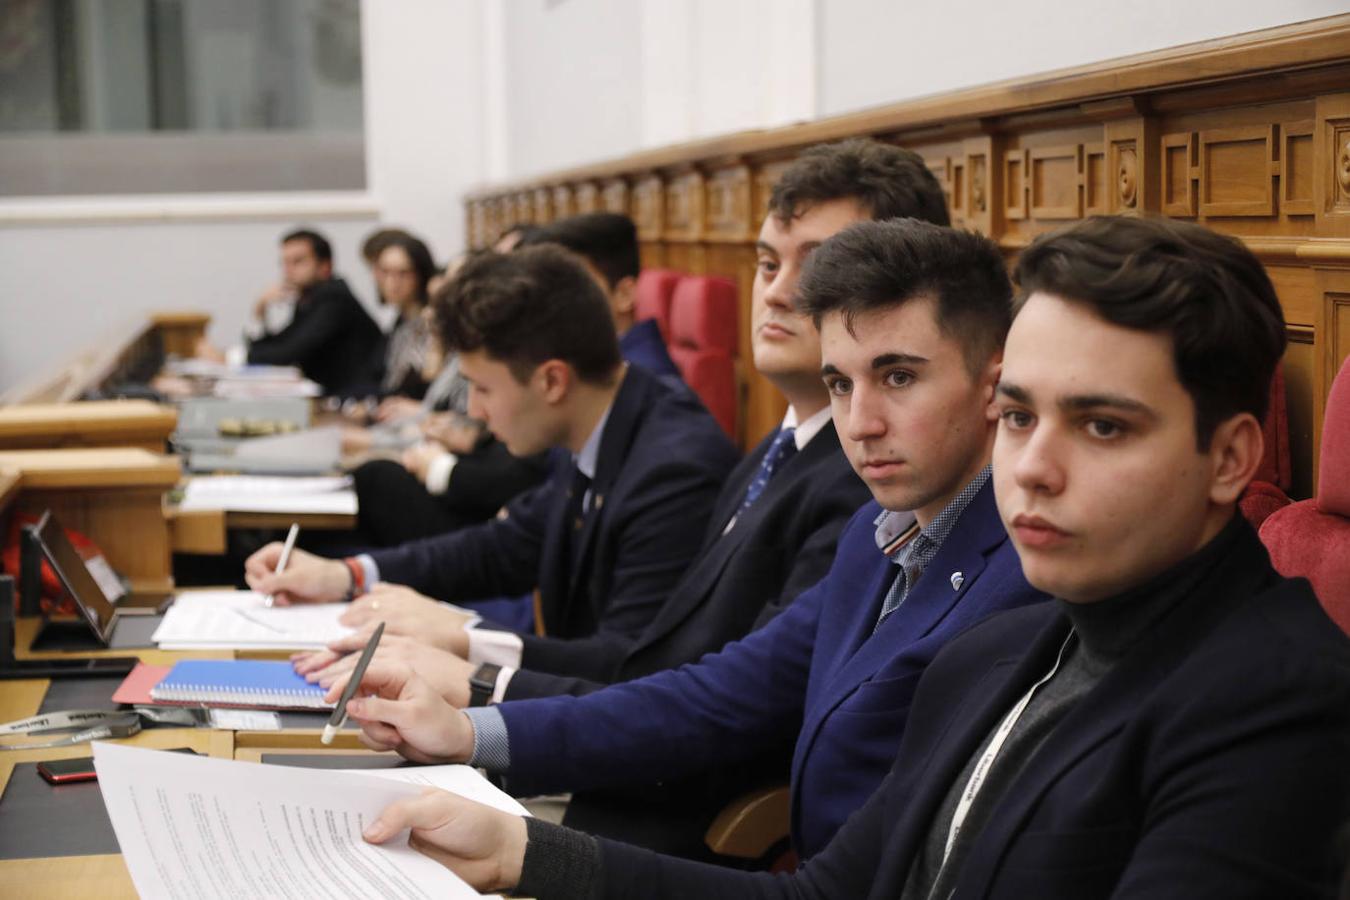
[1177,724]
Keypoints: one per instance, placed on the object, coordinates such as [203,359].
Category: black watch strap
[482,684]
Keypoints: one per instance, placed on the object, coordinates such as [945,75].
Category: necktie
[576,508]
[780,451]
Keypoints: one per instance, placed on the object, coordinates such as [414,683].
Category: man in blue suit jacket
[835,672]
[617,522]
[1176,725]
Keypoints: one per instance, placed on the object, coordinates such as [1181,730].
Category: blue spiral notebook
[242,683]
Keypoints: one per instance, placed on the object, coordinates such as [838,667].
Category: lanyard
[986,760]
[91,725]
[86,725]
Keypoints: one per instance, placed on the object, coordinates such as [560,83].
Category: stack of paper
[192,826]
[262,493]
[241,620]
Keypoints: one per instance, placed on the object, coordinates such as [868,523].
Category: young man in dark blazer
[330,337]
[833,676]
[608,534]
[1176,724]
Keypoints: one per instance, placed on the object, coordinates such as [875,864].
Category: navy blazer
[1209,763]
[780,546]
[662,460]
[816,674]
[643,346]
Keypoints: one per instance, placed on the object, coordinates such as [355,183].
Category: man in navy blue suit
[911,380]
[1175,725]
[619,519]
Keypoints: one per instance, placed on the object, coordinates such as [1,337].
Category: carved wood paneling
[1331,161]
[649,207]
[587,197]
[1015,188]
[766,176]
[728,206]
[684,207]
[1055,182]
[542,199]
[564,203]
[615,196]
[1237,171]
[1180,172]
[1296,168]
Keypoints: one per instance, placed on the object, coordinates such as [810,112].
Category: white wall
[874,52]
[73,268]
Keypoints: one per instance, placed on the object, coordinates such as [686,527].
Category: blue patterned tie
[779,452]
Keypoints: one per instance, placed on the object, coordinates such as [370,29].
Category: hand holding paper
[484,846]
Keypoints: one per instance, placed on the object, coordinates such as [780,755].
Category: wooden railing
[1249,135]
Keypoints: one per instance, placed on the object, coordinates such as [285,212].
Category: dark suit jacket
[816,674]
[643,346]
[780,547]
[331,338]
[1209,763]
[661,463]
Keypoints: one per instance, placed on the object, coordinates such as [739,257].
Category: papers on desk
[240,620]
[260,493]
[192,826]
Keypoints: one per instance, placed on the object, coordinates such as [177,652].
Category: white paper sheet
[196,827]
[463,780]
[259,493]
[241,620]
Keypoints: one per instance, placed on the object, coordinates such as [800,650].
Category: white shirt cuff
[438,473]
[370,570]
[502,648]
[236,356]
[503,679]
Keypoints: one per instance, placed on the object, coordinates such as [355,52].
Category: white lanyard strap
[986,760]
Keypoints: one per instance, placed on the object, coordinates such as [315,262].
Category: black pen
[339,717]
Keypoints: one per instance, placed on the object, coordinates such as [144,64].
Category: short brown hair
[1206,291]
[887,181]
[529,306]
[872,266]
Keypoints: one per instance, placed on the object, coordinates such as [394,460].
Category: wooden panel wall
[1249,136]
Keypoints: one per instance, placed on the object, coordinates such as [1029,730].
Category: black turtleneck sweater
[1103,633]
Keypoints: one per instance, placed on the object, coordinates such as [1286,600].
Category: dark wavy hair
[889,182]
[1206,291]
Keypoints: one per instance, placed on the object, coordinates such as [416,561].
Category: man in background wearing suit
[911,384]
[1176,724]
[330,337]
[608,534]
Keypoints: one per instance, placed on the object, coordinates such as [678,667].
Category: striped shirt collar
[896,531]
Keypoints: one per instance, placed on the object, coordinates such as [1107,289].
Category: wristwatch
[482,684]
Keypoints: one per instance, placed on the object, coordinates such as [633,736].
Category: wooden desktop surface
[106,876]
[94,423]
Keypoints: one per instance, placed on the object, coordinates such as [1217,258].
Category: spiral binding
[214,694]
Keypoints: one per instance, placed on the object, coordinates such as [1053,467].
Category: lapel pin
[597,501]
[957,580]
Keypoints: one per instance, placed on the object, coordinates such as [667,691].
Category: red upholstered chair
[1311,538]
[703,343]
[655,290]
[1269,488]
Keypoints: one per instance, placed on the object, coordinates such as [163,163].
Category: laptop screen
[76,577]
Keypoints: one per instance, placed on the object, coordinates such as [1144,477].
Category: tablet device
[94,604]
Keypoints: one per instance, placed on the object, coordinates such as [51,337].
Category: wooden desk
[106,876]
[134,350]
[97,423]
[115,496]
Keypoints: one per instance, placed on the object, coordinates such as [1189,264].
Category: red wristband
[358,576]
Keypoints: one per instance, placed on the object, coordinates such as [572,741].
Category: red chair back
[703,343]
[655,290]
[1269,488]
[1311,538]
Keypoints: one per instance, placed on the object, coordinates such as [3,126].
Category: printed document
[241,620]
[196,827]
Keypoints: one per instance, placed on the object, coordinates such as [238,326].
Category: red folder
[135,689]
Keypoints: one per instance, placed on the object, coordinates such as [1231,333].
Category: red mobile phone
[81,768]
